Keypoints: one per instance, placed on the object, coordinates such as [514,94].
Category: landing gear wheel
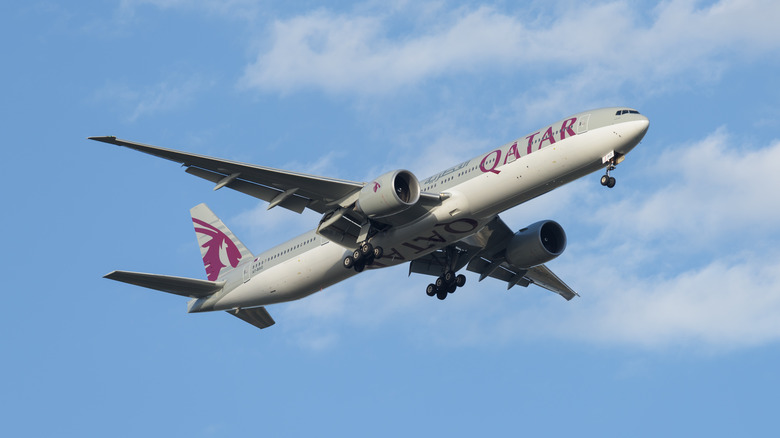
[449,277]
[430,290]
[610,182]
[349,262]
[460,280]
[441,294]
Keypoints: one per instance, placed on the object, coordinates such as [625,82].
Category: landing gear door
[582,124]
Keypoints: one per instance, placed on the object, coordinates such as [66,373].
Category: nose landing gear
[611,159]
[606,180]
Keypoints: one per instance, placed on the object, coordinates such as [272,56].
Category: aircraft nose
[632,132]
[638,128]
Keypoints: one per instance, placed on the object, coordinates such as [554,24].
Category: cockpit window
[626,111]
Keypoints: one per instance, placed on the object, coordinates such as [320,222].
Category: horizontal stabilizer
[257,316]
[186,287]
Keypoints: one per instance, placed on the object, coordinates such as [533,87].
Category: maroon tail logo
[220,250]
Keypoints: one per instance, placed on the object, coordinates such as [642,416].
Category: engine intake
[389,194]
[536,244]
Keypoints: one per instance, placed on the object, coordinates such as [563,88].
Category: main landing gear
[363,256]
[446,284]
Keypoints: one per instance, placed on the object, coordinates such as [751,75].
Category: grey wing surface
[291,190]
[485,254]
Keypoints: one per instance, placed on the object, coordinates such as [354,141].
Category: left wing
[291,190]
[484,253]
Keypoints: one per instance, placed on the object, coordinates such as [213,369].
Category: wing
[334,198]
[484,253]
[291,190]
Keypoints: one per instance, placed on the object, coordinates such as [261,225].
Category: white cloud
[708,189]
[591,46]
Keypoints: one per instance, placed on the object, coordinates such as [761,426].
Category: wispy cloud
[240,9]
[165,96]
[593,46]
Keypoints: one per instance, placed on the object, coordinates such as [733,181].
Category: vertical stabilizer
[220,249]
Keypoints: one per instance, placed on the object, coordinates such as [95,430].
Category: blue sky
[677,327]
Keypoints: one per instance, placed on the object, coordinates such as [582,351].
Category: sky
[677,328]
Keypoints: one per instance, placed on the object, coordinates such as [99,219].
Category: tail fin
[220,249]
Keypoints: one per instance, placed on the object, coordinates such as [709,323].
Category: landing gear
[445,284]
[612,159]
[363,256]
[606,180]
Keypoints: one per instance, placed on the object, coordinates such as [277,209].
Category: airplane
[439,225]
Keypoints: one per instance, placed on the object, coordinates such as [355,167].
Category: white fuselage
[475,190]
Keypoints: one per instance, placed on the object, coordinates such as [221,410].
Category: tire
[349,262]
[449,277]
[430,290]
[460,280]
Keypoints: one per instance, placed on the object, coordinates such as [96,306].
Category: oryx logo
[376,186]
[220,250]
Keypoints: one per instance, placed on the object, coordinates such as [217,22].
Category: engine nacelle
[389,194]
[536,244]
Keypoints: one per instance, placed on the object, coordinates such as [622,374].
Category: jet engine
[389,194]
[536,244]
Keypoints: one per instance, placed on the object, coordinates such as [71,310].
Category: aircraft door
[582,124]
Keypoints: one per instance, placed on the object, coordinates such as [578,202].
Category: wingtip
[104,138]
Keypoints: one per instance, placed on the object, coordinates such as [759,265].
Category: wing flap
[186,287]
[257,316]
[294,203]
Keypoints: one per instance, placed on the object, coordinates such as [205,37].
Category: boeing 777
[439,225]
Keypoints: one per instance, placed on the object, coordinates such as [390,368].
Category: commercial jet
[438,225]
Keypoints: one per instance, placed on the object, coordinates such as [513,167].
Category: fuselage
[475,191]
